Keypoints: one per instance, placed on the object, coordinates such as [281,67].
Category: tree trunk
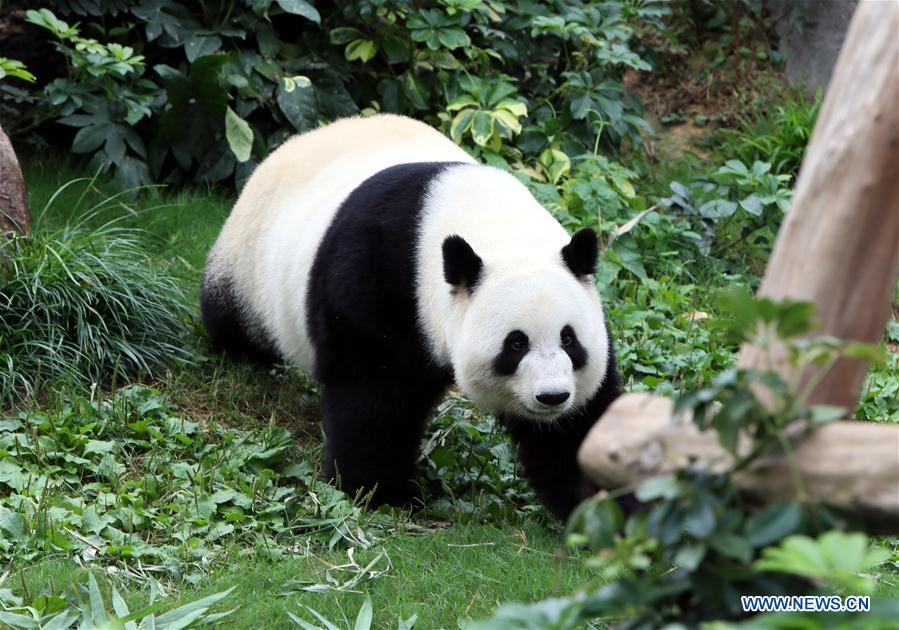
[13,202]
[839,244]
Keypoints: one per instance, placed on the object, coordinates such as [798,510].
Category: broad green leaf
[453,38]
[98,608]
[827,413]
[61,621]
[296,81]
[13,476]
[598,521]
[239,135]
[12,523]
[118,604]
[172,618]
[413,90]
[482,126]
[302,8]
[508,120]
[581,106]
[463,100]
[699,520]
[690,557]
[557,164]
[18,621]
[89,139]
[461,123]
[201,43]
[98,446]
[517,108]
[752,205]
[299,107]
[657,488]
[732,546]
[775,522]
[344,35]
[362,49]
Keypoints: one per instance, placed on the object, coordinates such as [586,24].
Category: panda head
[531,343]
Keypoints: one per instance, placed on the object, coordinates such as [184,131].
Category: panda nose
[553,400]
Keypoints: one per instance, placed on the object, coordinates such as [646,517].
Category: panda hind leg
[228,325]
[372,438]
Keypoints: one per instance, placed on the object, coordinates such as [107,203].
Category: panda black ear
[581,254]
[461,266]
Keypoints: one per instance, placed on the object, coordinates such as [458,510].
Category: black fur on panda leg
[372,437]
[548,453]
[229,328]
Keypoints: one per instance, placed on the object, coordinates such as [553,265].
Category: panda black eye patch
[573,348]
[515,346]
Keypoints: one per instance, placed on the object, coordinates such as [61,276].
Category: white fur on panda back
[269,242]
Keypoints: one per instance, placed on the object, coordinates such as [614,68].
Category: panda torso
[269,242]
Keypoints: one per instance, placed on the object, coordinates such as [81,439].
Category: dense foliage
[533,83]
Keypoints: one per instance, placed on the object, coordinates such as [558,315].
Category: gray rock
[811,33]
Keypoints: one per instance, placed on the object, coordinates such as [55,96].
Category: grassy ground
[440,571]
[461,572]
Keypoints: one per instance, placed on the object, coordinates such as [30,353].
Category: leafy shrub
[880,394]
[86,304]
[278,66]
[735,205]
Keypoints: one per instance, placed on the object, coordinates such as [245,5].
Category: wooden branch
[839,244]
[848,465]
[13,202]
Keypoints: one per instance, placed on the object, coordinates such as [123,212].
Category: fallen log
[848,465]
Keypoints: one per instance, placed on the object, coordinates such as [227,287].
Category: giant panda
[381,258]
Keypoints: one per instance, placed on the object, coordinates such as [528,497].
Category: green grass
[441,576]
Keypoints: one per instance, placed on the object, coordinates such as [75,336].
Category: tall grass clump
[85,303]
[778,135]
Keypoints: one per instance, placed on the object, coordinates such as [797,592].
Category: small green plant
[83,604]
[363,619]
[487,110]
[469,469]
